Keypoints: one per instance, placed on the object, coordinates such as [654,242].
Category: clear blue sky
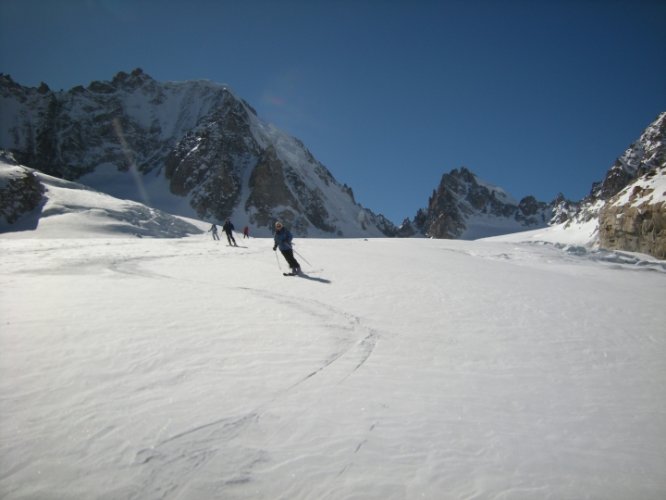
[535,96]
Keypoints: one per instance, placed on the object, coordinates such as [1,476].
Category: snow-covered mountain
[190,148]
[466,207]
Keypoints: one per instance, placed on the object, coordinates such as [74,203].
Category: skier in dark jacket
[283,240]
[228,228]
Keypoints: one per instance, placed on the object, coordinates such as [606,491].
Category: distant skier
[246,232]
[228,228]
[213,229]
[283,240]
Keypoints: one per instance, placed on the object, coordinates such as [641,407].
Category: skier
[246,232]
[228,228]
[282,240]
[213,229]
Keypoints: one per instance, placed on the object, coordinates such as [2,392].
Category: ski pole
[278,260]
[306,260]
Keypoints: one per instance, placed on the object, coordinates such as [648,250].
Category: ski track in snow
[176,460]
[187,453]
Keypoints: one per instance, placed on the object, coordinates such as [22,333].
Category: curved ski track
[186,454]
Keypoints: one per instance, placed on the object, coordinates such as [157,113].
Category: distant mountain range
[195,149]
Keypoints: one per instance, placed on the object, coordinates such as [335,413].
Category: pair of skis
[301,273]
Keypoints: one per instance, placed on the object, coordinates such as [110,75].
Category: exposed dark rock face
[269,189]
[19,194]
[209,162]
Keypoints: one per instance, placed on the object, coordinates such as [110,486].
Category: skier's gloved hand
[274,248]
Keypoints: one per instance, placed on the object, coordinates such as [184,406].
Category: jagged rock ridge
[645,155]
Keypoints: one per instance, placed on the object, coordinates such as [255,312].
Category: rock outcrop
[635,218]
[20,191]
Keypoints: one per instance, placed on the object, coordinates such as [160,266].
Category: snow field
[183,368]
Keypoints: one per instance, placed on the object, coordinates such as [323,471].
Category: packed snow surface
[143,368]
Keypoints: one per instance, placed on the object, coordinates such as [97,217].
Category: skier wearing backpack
[283,240]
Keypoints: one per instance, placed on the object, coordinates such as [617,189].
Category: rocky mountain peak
[133,79]
[6,82]
[463,206]
[647,153]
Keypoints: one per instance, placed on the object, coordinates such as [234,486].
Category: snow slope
[83,212]
[573,233]
[396,369]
